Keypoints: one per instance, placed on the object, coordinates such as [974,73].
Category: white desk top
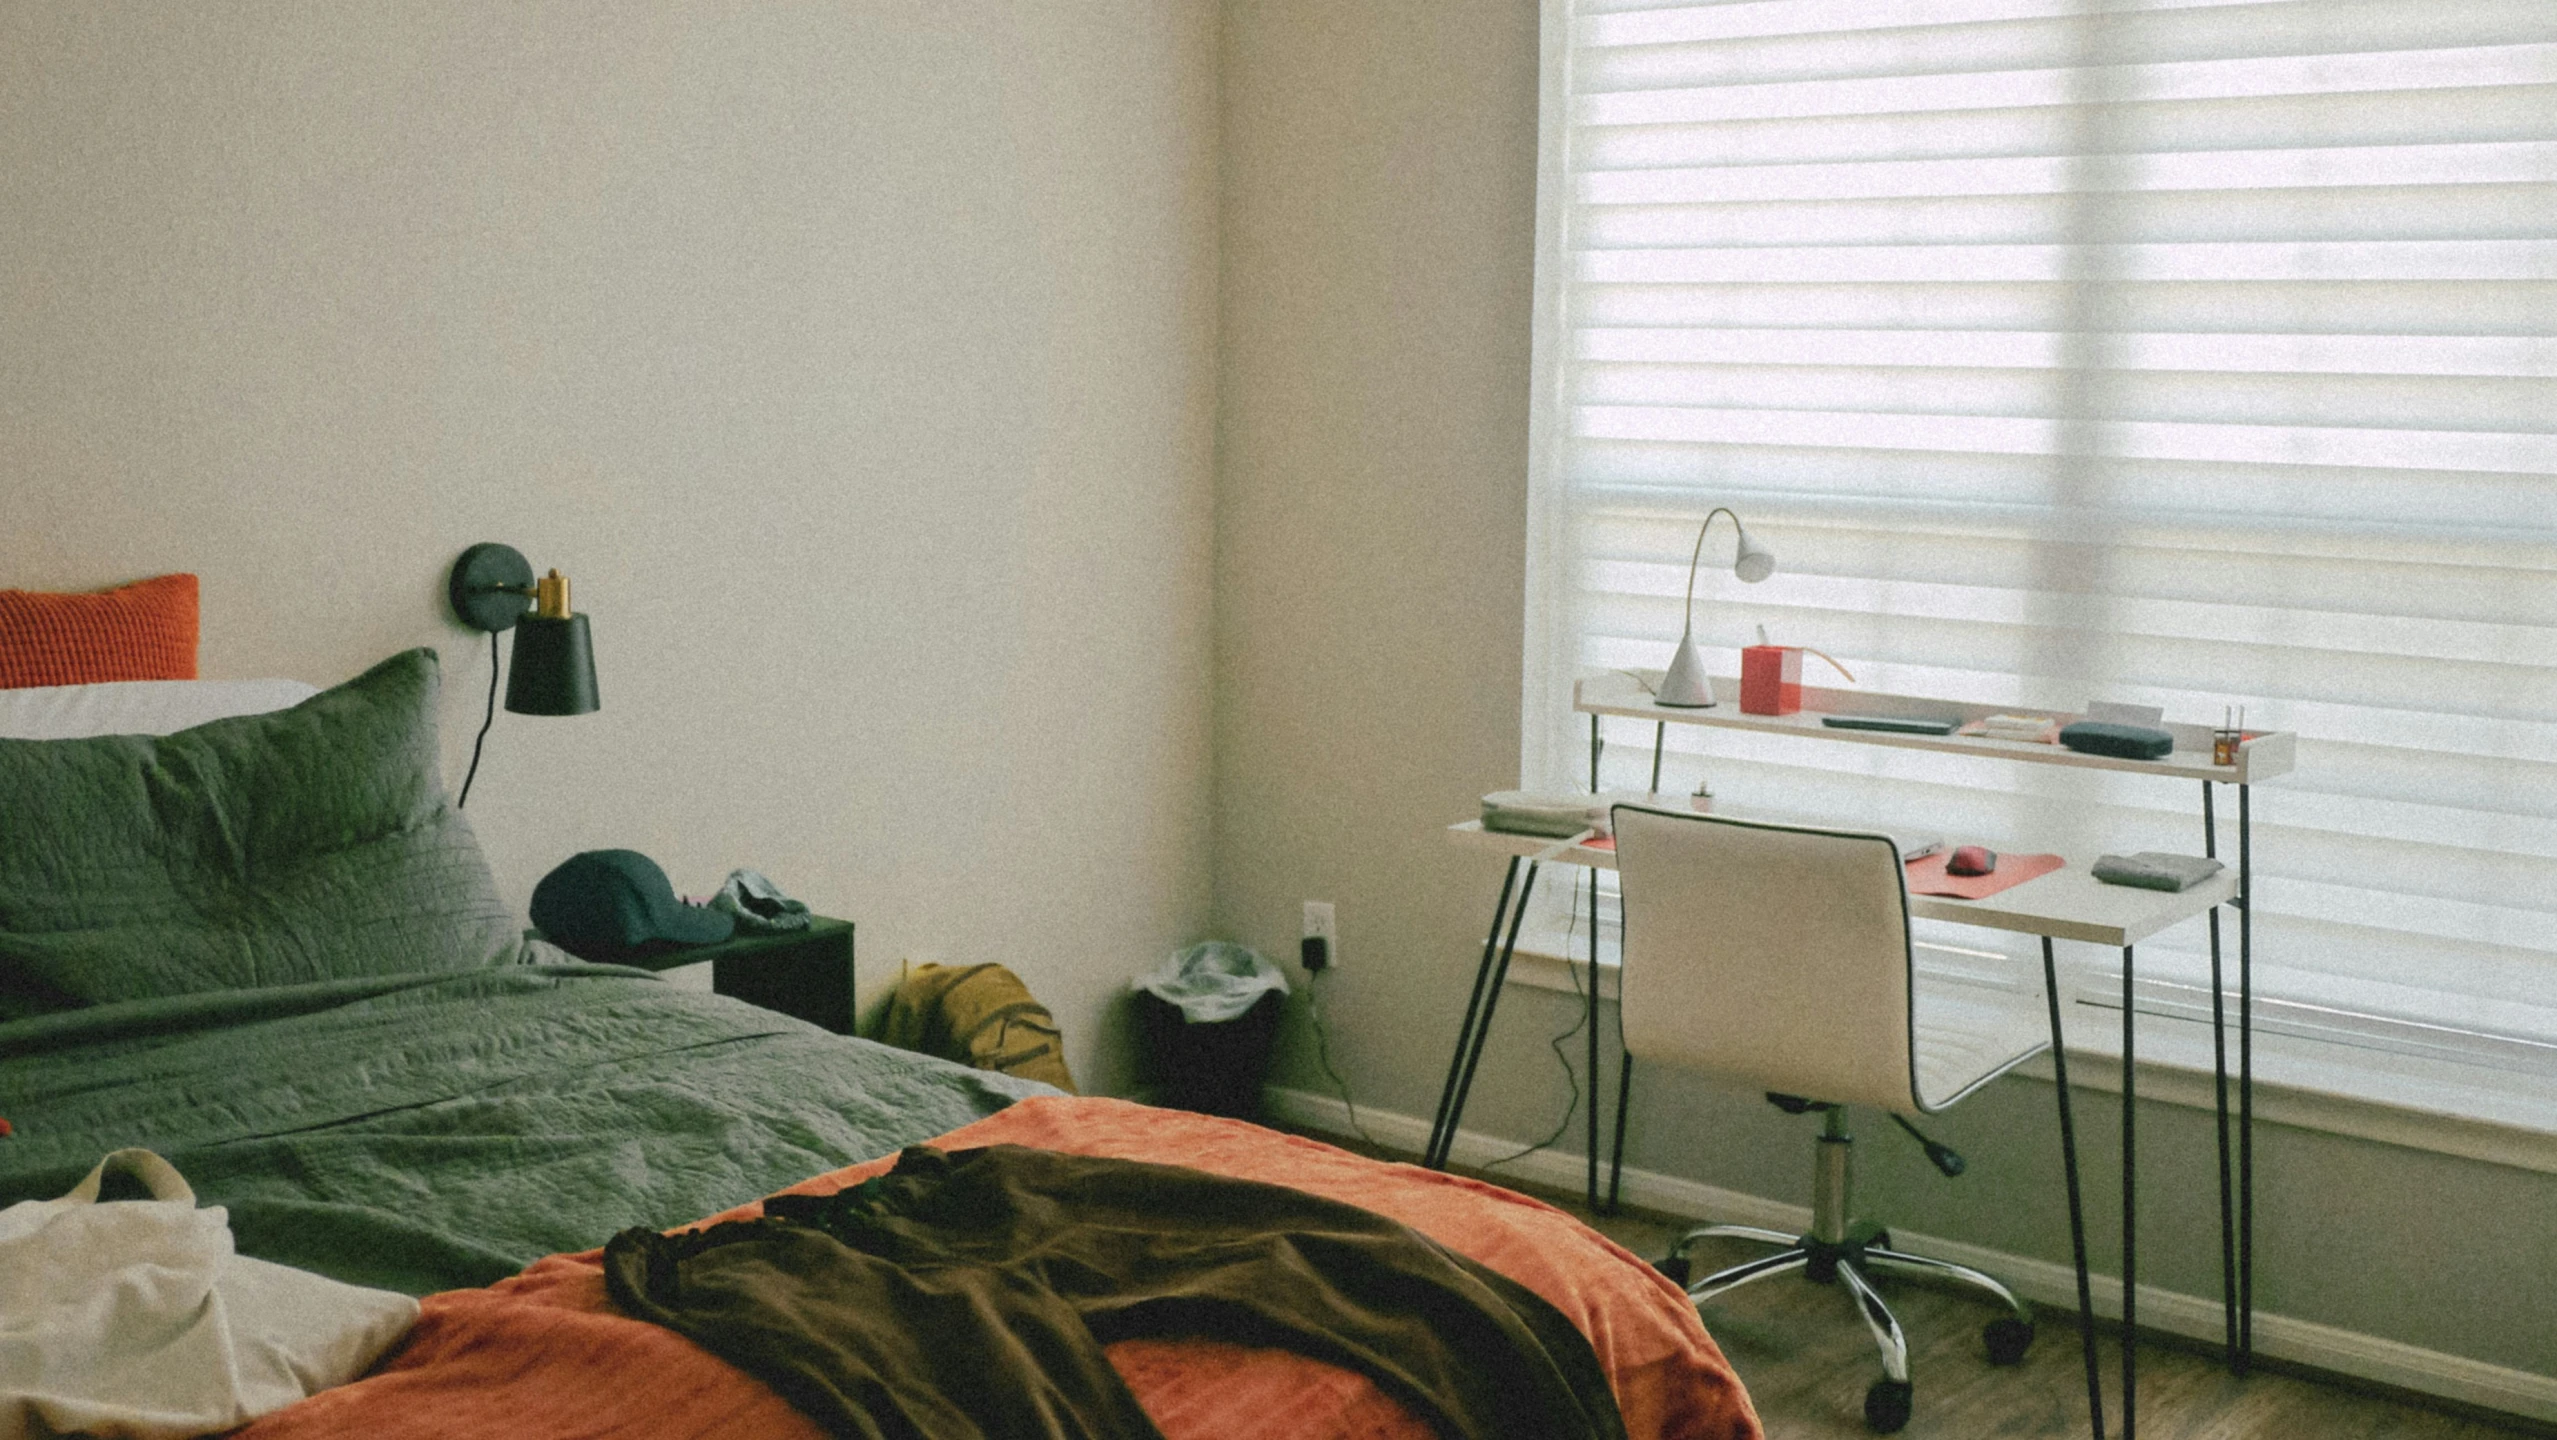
[2269,754]
[2066,904]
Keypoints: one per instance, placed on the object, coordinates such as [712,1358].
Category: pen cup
[2224,745]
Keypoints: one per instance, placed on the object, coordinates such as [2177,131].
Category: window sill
[2419,1103]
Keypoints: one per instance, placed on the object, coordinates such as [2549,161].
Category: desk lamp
[1687,686]
[492,587]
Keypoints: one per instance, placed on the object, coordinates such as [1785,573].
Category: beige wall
[862,364]
[1378,252]
[1379,180]
[854,360]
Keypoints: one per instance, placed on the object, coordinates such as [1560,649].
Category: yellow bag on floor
[978,1015]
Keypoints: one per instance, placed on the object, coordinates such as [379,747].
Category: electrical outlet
[1320,946]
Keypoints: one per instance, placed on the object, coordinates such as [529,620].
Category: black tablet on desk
[1900,724]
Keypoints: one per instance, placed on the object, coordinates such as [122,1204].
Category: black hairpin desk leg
[1624,1086]
[2219,1076]
[1473,1006]
[1624,1092]
[1488,979]
[1589,1021]
[2077,1204]
[2130,1216]
[1616,1168]
[2245,1083]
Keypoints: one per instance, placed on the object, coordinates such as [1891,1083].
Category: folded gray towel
[2156,870]
[1560,814]
[1553,815]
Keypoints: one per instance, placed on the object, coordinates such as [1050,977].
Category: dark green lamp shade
[554,668]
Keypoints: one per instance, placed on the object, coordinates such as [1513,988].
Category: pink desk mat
[1927,877]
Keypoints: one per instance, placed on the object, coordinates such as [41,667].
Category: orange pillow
[142,631]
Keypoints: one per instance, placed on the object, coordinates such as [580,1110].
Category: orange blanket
[545,1355]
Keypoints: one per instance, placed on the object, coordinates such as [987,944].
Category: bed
[266,948]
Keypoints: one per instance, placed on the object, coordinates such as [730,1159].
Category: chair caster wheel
[1676,1268]
[2008,1338]
[1886,1406]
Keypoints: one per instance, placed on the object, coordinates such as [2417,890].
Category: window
[2193,353]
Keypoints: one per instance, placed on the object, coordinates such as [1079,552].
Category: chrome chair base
[1846,1262]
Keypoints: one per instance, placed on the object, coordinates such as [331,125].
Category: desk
[2068,904]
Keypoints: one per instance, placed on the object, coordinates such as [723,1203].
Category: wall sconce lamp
[492,588]
[1687,686]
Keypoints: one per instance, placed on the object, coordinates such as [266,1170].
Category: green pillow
[303,844]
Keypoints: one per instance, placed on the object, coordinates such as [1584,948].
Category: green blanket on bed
[428,1131]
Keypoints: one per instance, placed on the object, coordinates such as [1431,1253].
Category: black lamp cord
[489,720]
[1323,1050]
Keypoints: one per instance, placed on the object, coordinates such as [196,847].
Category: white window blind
[2185,352]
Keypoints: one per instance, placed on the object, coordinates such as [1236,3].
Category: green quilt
[299,845]
[429,1131]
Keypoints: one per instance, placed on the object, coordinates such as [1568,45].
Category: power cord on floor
[1580,1013]
[1323,1049]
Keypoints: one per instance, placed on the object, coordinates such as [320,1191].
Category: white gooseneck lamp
[1687,686]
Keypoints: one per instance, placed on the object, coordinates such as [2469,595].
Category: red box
[1770,679]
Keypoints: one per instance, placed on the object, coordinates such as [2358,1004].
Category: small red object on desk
[1927,875]
[1770,679]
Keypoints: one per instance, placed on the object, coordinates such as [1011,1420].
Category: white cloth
[138,707]
[135,1318]
[759,905]
[1213,981]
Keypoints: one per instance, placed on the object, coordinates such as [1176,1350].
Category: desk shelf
[2269,753]
[2067,904]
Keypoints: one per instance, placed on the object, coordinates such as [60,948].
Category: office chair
[1778,956]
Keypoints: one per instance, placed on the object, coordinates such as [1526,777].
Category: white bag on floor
[135,1318]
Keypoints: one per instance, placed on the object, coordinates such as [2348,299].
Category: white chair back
[1773,956]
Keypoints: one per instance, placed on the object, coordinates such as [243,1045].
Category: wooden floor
[1807,1359]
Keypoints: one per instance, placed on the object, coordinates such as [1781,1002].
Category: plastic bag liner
[1212,982]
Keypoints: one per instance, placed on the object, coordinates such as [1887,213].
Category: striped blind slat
[2187,352]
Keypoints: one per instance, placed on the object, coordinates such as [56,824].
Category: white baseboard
[2304,1342]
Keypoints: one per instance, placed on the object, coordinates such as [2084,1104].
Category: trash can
[1209,1017]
